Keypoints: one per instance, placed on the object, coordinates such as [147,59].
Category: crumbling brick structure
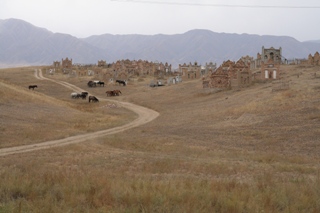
[141,67]
[102,63]
[209,68]
[270,70]
[190,71]
[243,72]
[271,54]
[56,64]
[230,75]
[314,60]
[66,63]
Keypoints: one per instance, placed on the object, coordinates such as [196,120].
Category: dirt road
[145,115]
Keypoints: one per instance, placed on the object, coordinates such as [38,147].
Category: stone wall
[220,81]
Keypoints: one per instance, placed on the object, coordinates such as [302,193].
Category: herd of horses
[101,83]
[91,98]
[82,95]
[95,83]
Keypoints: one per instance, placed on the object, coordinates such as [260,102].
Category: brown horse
[93,99]
[91,84]
[117,92]
[110,93]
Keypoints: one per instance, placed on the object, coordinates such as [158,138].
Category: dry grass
[48,112]
[251,150]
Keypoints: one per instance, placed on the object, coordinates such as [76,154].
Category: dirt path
[145,115]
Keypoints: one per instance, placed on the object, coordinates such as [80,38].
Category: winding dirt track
[145,115]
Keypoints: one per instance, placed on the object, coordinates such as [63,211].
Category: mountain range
[22,43]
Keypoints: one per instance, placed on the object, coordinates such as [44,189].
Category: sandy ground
[145,115]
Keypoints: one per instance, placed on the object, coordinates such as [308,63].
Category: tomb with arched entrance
[270,64]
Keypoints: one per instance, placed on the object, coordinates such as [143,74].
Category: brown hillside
[248,150]
[47,112]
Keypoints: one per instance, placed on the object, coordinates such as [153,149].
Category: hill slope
[231,151]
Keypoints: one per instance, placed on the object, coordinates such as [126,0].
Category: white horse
[74,95]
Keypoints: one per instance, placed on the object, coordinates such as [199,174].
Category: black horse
[83,96]
[33,86]
[101,83]
[93,99]
[121,82]
[75,95]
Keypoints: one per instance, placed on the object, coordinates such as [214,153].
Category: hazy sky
[82,18]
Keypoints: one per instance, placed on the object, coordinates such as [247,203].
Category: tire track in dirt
[38,74]
[145,115]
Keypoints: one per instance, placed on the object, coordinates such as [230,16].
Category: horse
[101,83]
[92,84]
[93,99]
[110,93]
[33,86]
[117,92]
[74,95]
[83,96]
[124,83]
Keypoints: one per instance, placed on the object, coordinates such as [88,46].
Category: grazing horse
[74,95]
[83,95]
[92,84]
[113,93]
[93,99]
[100,83]
[117,92]
[110,93]
[33,86]
[121,82]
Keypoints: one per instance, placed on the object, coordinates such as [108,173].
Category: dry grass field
[248,150]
